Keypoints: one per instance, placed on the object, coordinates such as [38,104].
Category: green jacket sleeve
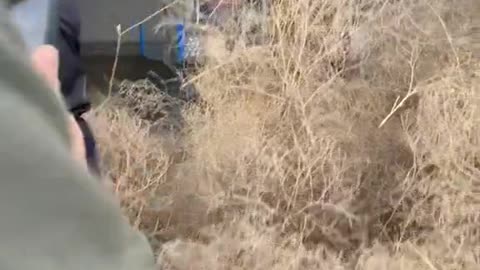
[53,215]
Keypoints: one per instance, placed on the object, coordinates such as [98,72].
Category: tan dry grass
[287,168]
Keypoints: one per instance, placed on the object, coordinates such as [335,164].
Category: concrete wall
[99,17]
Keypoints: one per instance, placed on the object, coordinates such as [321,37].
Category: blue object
[142,40]
[179,45]
[180,30]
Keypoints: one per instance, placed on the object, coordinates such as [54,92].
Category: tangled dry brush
[349,139]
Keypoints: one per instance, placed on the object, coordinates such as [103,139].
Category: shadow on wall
[99,69]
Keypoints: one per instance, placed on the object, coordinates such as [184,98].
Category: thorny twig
[411,89]
[447,34]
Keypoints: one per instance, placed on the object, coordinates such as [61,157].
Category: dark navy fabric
[72,75]
[92,157]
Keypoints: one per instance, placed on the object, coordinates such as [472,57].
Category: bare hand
[45,61]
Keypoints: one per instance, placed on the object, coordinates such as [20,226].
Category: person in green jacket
[53,214]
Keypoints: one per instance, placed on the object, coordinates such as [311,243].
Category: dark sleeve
[72,73]
[53,215]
